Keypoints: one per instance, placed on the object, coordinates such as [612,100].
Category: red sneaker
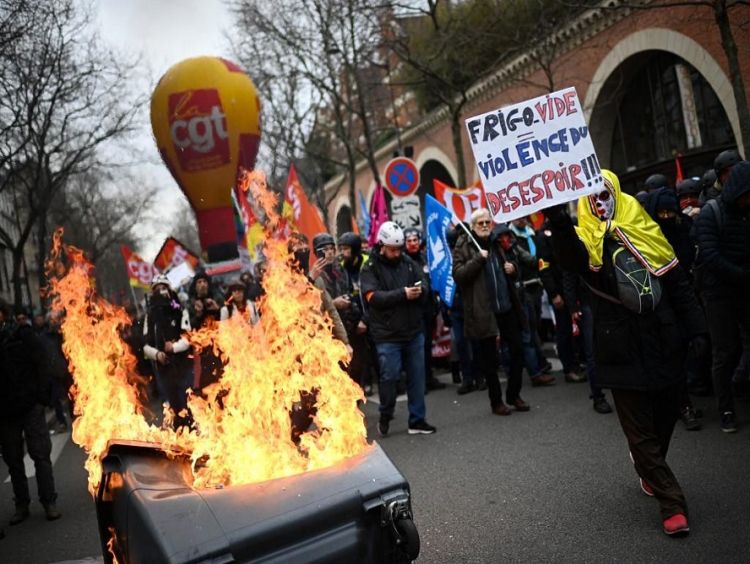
[676,525]
[646,488]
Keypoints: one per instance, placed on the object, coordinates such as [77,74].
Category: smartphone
[320,253]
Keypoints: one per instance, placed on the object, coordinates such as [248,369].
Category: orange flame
[242,429]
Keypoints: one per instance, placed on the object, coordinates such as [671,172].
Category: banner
[250,234]
[460,201]
[173,253]
[378,214]
[534,155]
[300,215]
[140,272]
[439,256]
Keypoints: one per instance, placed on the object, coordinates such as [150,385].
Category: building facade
[654,83]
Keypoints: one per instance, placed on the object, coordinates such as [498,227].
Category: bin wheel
[410,543]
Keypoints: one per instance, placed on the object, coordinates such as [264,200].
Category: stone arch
[435,154]
[656,39]
[343,219]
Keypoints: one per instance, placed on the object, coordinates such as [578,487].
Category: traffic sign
[401,177]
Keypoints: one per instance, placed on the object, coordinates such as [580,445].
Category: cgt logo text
[198,129]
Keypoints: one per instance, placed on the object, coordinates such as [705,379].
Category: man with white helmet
[392,286]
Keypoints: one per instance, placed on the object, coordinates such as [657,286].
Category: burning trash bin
[356,511]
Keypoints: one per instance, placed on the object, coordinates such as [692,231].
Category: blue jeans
[392,357]
[530,355]
[461,343]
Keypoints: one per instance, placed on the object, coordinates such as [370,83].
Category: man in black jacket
[552,279]
[723,233]
[392,285]
[492,308]
[24,392]
[644,313]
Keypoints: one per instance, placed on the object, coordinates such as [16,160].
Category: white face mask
[604,204]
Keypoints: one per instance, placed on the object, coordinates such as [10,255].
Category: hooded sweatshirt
[724,239]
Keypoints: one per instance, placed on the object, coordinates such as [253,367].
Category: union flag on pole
[298,214]
[173,253]
[140,272]
[460,201]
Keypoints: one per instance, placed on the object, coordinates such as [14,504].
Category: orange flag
[140,272]
[299,214]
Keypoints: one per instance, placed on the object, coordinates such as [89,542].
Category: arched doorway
[343,220]
[652,108]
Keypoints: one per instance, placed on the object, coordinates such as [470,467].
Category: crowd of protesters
[647,298]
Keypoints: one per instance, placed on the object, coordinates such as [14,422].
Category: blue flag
[365,227]
[439,255]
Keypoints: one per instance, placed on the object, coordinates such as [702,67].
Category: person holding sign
[645,312]
[491,308]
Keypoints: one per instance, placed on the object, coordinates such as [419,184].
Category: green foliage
[458,43]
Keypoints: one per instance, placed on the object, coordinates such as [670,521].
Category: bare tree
[62,96]
[184,226]
[309,69]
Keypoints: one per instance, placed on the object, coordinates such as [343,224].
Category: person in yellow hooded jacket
[645,316]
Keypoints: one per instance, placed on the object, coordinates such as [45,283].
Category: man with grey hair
[491,309]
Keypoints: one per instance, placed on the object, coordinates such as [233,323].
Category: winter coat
[24,379]
[392,317]
[335,281]
[633,351]
[676,230]
[724,240]
[549,270]
[166,320]
[469,268]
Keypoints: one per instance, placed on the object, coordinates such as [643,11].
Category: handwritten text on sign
[534,154]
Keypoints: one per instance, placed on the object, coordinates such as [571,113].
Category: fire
[242,430]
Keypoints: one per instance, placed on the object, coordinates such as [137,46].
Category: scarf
[528,234]
[630,224]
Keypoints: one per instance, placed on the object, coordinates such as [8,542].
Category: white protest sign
[407,211]
[534,155]
[180,274]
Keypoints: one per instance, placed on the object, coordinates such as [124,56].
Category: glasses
[484,223]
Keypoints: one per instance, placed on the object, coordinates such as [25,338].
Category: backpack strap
[718,212]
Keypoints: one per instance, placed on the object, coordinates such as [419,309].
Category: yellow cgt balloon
[205,115]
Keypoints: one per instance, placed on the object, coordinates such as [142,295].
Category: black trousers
[32,427]
[361,358]
[729,324]
[487,359]
[648,419]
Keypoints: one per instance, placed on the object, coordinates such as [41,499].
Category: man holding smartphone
[392,287]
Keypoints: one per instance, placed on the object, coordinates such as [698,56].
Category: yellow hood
[630,224]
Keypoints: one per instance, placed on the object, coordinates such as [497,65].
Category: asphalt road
[551,485]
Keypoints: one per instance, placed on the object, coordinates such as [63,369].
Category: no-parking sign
[401,177]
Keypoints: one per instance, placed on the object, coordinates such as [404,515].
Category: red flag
[378,215]
[140,272]
[298,213]
[678,167]
[174,253]
[460,201]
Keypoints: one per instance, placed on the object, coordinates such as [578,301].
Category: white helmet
[391,234]
[160,279]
